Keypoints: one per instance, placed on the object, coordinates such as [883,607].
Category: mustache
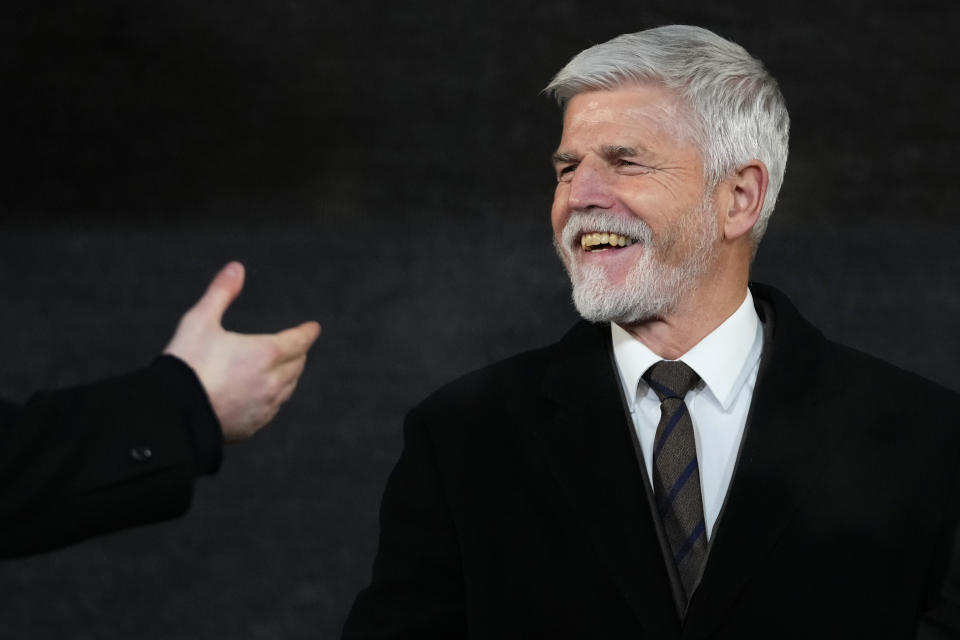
[588,221]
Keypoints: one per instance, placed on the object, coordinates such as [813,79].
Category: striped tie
[676,476]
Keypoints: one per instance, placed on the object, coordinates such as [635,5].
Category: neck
[701,311]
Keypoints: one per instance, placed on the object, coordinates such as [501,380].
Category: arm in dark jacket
[121,452]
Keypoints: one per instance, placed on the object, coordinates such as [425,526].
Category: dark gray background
[382,168]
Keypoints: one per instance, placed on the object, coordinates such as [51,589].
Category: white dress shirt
[726,360]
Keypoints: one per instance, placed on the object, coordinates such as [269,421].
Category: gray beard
[653,287]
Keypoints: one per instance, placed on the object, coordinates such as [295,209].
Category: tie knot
[671,379]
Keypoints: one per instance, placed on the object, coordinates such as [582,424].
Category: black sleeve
[417,588]
[940,619]
[118,453]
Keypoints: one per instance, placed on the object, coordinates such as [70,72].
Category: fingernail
[232,270]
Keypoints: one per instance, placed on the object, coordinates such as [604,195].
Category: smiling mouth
[601,241]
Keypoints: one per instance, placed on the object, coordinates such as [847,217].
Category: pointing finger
[295,341]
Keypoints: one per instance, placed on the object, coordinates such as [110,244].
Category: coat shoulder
[494,383]
[510,385]
[884,379]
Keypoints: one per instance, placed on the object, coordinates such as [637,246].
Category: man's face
[625,167]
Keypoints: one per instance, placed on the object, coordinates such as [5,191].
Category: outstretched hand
[247,377]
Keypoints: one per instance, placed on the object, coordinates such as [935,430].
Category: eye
[631,168]
[565,172]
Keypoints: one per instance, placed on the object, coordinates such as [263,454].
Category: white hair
[737,111]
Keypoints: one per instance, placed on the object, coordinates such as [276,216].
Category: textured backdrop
[383,168]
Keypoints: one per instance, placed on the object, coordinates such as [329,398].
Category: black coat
[519,509]
[121,452]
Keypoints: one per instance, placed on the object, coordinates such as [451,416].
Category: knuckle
[273,385]
[272,352]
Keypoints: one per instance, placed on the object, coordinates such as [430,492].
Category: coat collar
[589,443]
[783,451]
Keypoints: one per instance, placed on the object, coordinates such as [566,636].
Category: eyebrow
[563,157]
[614,151]
[608,151]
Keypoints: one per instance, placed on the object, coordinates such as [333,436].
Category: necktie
[676,476]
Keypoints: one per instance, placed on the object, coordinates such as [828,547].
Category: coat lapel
[589,447]
[781,455]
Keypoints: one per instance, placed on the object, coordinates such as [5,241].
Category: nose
[590,187]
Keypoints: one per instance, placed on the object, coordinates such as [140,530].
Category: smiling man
[624,168]
[694,459]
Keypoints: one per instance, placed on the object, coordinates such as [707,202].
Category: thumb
[223,290]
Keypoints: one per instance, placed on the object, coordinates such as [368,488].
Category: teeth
[590,240]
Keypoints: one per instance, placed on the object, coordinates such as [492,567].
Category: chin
[645,296]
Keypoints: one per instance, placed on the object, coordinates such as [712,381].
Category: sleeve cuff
[199,418]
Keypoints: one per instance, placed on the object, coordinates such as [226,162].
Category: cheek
[559,213]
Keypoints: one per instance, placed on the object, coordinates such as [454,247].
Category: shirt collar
[723,359]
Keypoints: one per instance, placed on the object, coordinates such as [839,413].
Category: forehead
[641,114]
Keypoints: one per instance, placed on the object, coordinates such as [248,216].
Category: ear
[748,189]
